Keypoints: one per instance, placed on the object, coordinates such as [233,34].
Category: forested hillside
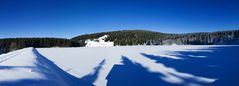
[125,37]
[143,37]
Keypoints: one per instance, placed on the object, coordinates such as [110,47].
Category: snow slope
[124,66]
[27,67]
[100,42]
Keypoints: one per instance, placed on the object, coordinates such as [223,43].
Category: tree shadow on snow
[53,74]
[95,74]
[220,64]
[134,74]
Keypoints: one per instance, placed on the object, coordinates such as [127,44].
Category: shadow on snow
[45,65]
[221,64]
[134,74]
[95,74]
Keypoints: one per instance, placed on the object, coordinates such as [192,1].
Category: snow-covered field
[122,66]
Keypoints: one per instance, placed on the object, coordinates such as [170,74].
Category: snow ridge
[29,67]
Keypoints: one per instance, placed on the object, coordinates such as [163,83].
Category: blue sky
[69,18]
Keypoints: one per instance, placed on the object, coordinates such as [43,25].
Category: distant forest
[142,37]
[10,44]
[127,37]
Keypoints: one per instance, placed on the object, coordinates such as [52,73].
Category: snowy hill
[122,66]
[144,37]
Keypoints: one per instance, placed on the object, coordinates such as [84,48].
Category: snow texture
[27,67]
[178,65]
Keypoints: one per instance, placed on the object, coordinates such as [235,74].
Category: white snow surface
[27,67]
[79,62]
[82,61]
[100,42]
[19,64]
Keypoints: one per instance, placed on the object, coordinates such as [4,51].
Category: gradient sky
[69,18]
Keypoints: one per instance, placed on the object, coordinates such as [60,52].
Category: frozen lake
[200,65]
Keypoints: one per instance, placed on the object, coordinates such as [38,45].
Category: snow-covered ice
[115,66]
[27,67]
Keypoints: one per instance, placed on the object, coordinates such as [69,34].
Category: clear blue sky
[69,18]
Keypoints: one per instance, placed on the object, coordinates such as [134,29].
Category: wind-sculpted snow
[127,65]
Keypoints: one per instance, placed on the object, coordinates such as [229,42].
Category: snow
[90,57]
[95,65]
[100,42]
[20,62]
[28,67]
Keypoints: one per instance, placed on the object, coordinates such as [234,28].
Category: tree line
[143,37]
[10,44]
[204,38]
[123,37]
[127,37]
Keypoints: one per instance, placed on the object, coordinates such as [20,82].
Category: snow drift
[27,67]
